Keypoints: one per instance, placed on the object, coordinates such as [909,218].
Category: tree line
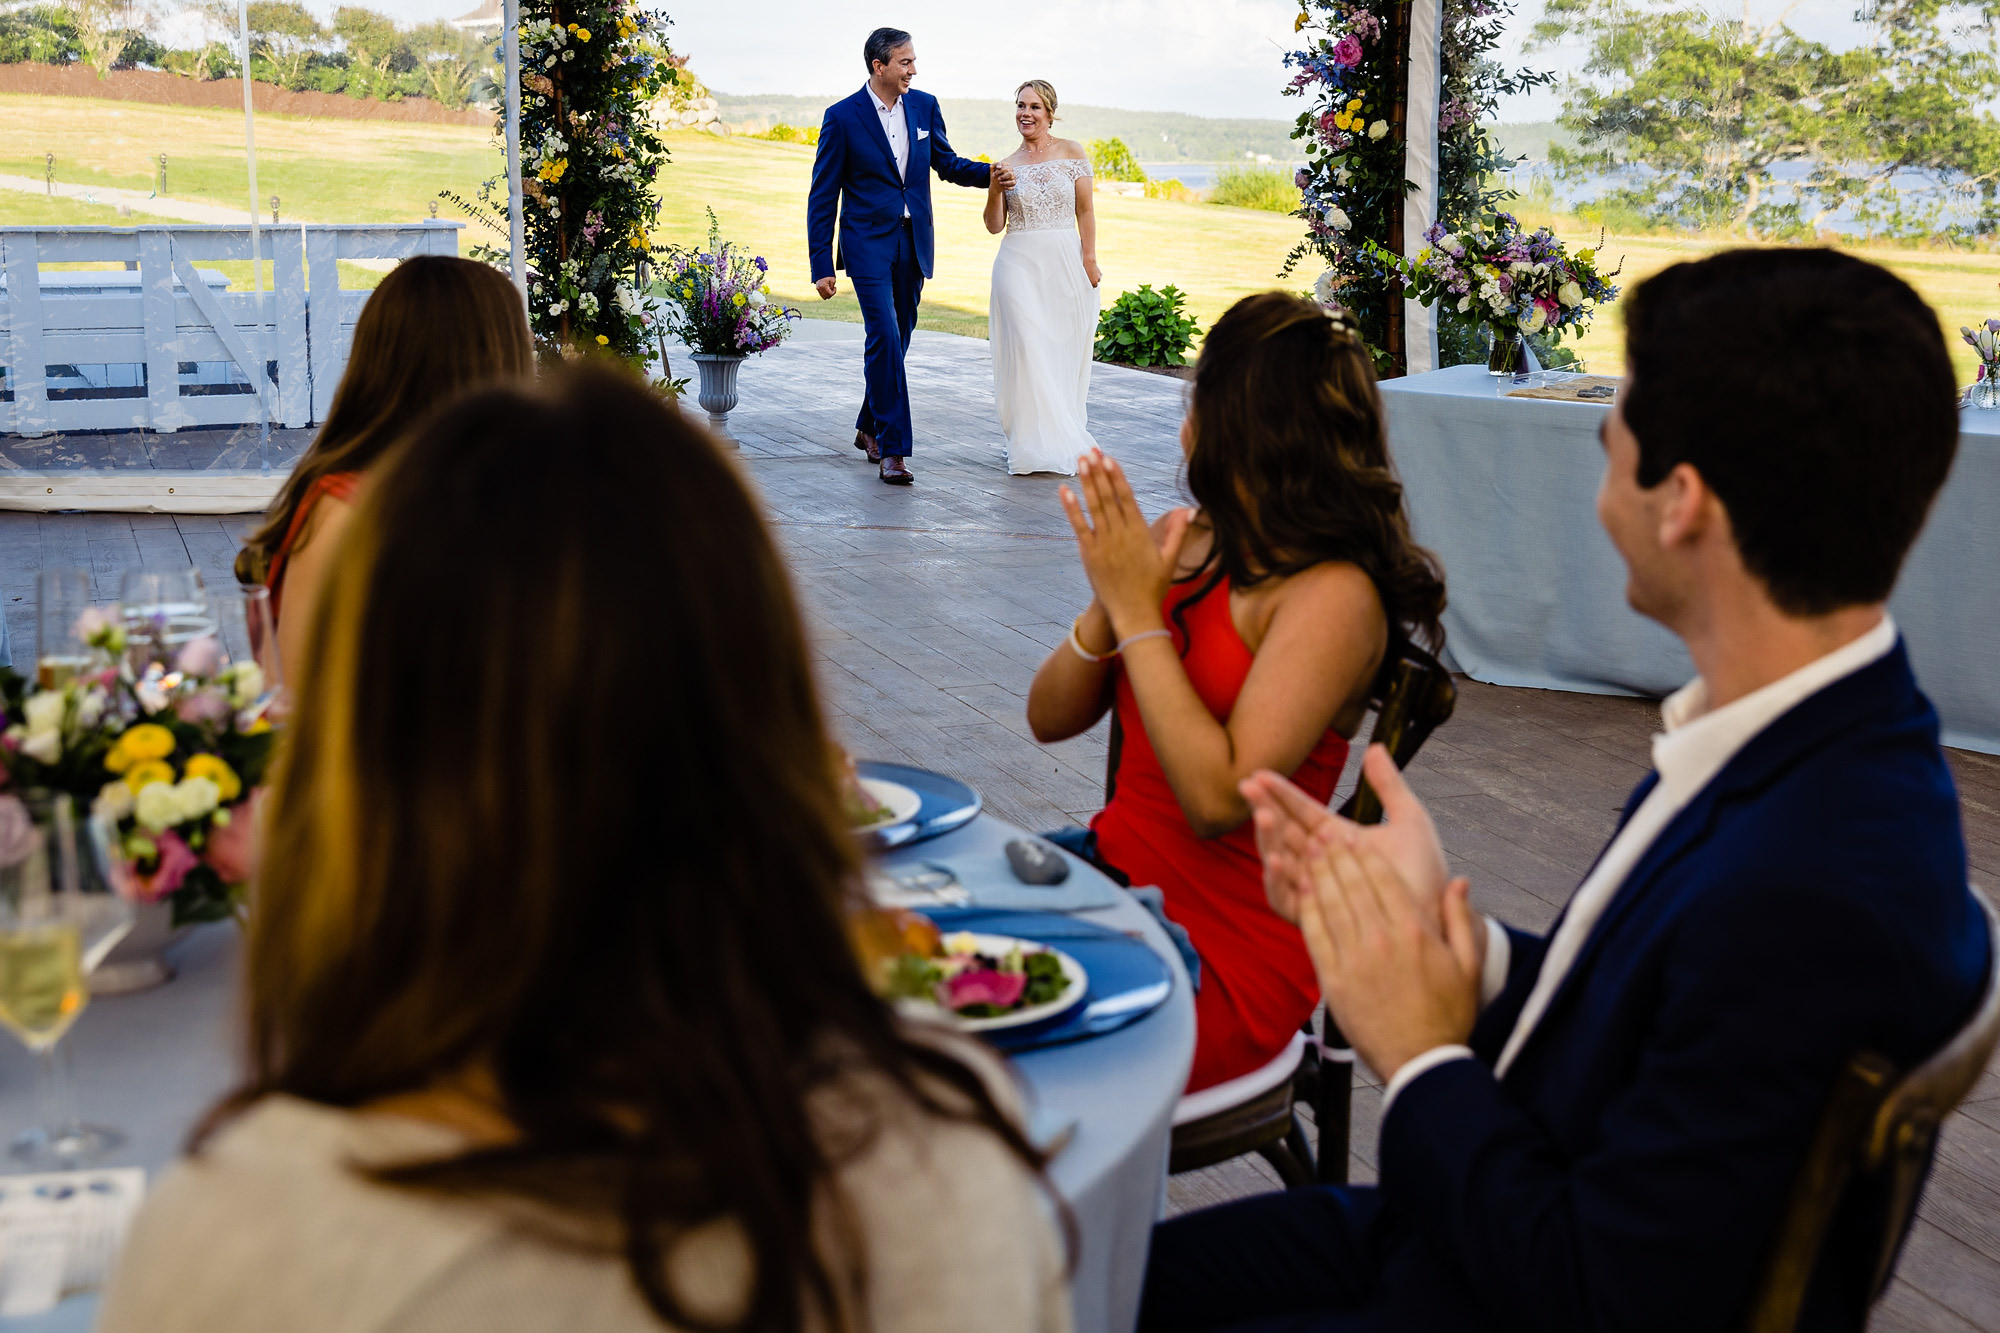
[362,53]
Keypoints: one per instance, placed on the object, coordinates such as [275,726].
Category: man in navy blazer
[1599,1128]
[876,152]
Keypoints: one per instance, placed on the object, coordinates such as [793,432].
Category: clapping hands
[1396,946]
[1128,567]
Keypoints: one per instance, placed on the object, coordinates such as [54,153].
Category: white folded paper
[60,1232]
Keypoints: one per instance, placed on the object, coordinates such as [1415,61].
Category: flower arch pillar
[1415,338]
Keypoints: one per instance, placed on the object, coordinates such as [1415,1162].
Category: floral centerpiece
[719,299]
[1517,283]
[1985,340]
[169,760]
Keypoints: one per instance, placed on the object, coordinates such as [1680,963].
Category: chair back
[1412,697]
[1874,1144]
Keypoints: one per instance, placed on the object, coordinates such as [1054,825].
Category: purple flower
[1347,51]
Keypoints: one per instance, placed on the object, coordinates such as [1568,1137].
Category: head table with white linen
[152,1063]
[1504,491]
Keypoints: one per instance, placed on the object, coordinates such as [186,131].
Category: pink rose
[17,832]
[176,859]
[211,706]
[235,849]
[1347,51]
[999,989]
[202,657]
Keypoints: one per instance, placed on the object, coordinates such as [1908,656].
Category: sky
[1205,57]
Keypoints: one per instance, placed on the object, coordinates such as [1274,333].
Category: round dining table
[151,1064]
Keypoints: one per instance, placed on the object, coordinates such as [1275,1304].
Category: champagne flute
[163,610]
[51,936]
[62,596]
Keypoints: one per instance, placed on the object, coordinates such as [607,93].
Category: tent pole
[517,256]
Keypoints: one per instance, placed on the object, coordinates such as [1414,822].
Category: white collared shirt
[1696,745]
[896,125]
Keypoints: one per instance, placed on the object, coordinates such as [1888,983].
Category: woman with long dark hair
[1241,635]
[552,1017]
[437,326]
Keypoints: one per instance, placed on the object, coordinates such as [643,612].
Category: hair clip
[1342,320]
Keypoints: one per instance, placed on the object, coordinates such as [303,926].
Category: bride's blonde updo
[1046,91]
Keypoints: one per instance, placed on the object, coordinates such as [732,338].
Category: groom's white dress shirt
[897,126]
[1695,746]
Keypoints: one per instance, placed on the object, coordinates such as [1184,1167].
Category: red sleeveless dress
[342,486]
[1257,982]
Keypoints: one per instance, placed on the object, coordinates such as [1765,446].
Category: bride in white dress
[1042,320]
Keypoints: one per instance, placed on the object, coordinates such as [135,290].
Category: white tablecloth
[1504,491]
[152,1063]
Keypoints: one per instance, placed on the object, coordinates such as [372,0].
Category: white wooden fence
[157,346]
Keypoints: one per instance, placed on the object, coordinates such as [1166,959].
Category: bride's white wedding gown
[1042,321]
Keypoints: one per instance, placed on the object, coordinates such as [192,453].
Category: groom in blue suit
[876,152]
[1599,1128]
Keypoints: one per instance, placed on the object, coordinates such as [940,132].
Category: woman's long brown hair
[436,327]
[560,804]
[1291,462]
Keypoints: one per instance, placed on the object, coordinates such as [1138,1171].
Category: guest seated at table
[552,1019]
[435,327]
[1599,1129]
[1241,635]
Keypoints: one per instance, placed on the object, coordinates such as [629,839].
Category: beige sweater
[270,1228]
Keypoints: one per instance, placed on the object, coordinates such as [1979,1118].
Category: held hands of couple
[1396,946]
[1129,569]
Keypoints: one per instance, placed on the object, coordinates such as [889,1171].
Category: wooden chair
[1412,696]
[1867,1166]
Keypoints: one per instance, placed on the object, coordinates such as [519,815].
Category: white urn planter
[717,392]
[139,962]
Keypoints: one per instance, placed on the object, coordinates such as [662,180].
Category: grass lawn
[362,171]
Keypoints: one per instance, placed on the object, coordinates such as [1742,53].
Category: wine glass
[163,611]
[248,632]
[51,937]
[62,597]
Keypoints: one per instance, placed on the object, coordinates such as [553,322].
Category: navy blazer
[854,171]
[1630,1170]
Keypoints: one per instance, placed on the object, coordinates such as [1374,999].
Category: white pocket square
[923,134]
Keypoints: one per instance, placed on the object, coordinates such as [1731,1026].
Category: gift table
[1503,490]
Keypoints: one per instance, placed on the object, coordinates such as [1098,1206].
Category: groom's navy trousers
[889,313]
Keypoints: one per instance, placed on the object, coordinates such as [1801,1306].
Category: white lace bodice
[1044,194]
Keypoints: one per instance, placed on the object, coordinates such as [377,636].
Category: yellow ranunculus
[148,740]
[217,770]
[603,341]
[739,299]
[583,34]
[1355,105]
[1341,121]
[145,773]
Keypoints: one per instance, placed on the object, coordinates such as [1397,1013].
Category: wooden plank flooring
[931,606]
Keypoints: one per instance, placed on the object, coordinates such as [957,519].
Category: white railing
[159,345]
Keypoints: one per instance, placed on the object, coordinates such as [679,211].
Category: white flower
[1378,129]
[1534,319]
[756,298]
[1464,304]
[1570,295]
[1339,219]
[158,806]
[44,746]
[114,801]
[196,796]
[246,684]
[627,303]
[1324,290]
[90,708]
[43,711]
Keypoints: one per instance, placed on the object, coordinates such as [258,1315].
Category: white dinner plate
[1074,994]
[903,803]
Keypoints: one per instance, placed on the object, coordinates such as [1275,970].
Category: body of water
[1201,175]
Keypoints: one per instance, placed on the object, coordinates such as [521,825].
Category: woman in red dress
[437,326]
[1240,635]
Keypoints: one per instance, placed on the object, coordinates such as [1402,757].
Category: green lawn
[362,171]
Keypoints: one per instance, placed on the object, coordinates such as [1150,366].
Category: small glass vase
[1985,391]
[1508,354]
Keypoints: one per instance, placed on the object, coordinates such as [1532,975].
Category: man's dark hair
[1813,394]
[881,44]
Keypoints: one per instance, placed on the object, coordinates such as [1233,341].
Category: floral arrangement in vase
[168,761]
[719,300]
[1517,283]
[1985,340]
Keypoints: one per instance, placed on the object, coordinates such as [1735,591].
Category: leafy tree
[102,28]
[1698,109]
[46,35]
[447,60]
[286,35]
[1111,160]
[377,51]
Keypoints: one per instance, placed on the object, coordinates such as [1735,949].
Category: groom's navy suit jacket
[855,173]
[1630,1169]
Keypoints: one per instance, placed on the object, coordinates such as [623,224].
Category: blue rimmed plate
[943,804]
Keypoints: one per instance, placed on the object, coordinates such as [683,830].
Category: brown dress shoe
[868,444]
[895,472]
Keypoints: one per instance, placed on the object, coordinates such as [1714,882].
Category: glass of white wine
[163,611]
[62,596]
[51,936]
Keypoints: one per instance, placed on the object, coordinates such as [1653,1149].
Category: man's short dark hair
[882,44]
[1813,393]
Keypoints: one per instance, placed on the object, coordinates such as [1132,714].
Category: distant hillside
[987,126]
